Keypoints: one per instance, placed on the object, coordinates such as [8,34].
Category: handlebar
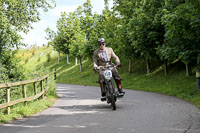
[107,67]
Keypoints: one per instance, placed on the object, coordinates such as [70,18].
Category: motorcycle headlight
[108,74]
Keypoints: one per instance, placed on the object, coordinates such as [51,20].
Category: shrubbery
[48,57]
[10,69]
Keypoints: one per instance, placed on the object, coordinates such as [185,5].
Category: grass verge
[32,108]
[175,84]
[32,61]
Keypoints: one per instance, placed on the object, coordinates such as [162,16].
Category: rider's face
[102,46]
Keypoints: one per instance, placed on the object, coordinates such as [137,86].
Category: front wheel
[113,102]
[112,95]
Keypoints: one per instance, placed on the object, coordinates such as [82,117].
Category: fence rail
[25,99]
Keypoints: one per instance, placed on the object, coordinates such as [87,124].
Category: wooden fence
[25,99]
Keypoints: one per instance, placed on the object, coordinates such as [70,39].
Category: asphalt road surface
[79,110]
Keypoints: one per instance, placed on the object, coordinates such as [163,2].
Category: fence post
[54,74]
[8,100]
[35,88]
[25,98]
[41,89]
[46,82]
[198,80]
[24,93]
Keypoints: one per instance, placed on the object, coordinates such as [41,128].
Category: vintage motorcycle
[111,93]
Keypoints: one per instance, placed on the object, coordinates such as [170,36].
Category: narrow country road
[79,110]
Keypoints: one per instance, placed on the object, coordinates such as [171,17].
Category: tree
[64,34]
[182,24]
[16,16]
[62,39]
[124,16]
[144,29]
[91,45]
[53,41]
[87,20]
[78,42]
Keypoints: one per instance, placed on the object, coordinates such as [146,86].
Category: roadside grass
[21,111]
[175,84]
[70,73]
[33,62]
[33,68]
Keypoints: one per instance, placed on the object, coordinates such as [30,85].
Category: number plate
[108,74]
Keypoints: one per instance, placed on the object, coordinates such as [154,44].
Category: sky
[49,19]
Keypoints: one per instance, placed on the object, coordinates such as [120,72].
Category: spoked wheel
[113,104]
[112,95]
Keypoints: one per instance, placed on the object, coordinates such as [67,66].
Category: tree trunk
[67,58]
[58,57]
[188,69]
[76,61]
[166,68]
[130,64]
[148,66]
[80,64]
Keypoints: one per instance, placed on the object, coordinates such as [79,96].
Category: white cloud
[49,19]
[57,11]
[37,34]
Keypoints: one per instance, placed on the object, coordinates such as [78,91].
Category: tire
[113,102]
[112,95]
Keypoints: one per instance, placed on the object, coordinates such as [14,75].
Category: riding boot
[103,94]
[102,89]
[119,86]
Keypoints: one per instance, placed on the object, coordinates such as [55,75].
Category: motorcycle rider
[102,57]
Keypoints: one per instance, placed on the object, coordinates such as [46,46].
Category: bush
[26,60]
[51,87]
[39,59]
[48,57]
[41,71]
[10,70]
[33,52]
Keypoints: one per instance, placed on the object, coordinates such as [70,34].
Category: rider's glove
[119,65]
[96,69]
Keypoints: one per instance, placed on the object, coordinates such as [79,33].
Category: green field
[175,84]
